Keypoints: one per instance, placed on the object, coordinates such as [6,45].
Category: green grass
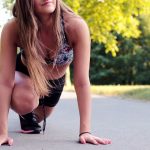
[141,92]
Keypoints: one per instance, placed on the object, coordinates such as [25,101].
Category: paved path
[126,122]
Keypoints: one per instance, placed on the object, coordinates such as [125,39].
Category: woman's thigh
[24,97]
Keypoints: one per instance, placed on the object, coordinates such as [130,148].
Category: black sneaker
[29,124]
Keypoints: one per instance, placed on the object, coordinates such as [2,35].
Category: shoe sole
[30,131]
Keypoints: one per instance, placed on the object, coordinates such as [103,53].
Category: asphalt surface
[126,122]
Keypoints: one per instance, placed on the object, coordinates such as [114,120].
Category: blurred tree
[132,63]
[106,16]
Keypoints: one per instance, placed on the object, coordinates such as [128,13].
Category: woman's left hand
[89,138]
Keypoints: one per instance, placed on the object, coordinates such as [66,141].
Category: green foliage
[106,17]
[127,67]
[130,66]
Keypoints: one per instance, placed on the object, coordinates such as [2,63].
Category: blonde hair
[28,22]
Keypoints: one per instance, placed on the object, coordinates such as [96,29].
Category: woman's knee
[24,99]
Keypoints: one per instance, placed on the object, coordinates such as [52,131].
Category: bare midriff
[54,72]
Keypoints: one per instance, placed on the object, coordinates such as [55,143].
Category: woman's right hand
[5,140]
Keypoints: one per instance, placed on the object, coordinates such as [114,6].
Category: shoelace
[44,121]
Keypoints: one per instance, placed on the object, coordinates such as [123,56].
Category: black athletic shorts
[57,85]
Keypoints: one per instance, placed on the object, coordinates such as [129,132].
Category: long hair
[28,23]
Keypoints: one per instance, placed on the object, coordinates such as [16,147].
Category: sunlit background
[4,16]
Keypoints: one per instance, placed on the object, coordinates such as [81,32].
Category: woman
[49,36]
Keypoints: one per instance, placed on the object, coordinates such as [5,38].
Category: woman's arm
[81,48]
[81,43]
[7,72]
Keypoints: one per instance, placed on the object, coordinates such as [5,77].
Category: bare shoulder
[11,25]
[10,30]
[74,22]
[75,27]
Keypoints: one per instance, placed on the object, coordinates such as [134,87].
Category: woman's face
[44,6]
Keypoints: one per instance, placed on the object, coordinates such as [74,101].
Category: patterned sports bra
[65,53]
